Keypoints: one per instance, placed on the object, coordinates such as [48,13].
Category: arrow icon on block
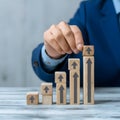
[74,65]
[88,50]
[32,99]
[61,93]
[89,62]
[60,78]
[75,76]
[46,89]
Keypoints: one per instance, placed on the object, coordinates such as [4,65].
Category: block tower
[74,68]
[88,74]
[60,80]
[47,93]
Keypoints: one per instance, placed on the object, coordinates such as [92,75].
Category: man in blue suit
[97,23]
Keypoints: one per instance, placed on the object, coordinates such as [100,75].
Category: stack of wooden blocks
[88,74]
[60,80]
[74,77]
[47,93]
[74,68]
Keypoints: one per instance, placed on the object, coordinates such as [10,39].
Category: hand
[63,39]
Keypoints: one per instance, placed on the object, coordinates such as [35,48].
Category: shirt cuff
[50,63]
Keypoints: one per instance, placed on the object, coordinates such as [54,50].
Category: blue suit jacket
[98,22]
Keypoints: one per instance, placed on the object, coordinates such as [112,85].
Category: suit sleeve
[37,63]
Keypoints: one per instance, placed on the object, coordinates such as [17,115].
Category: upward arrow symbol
[75,76]
[46,89]
[74,65]
[32,99]
[60,78]
[89,62]
[88,50]
[61,93]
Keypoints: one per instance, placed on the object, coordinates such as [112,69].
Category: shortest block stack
[32,98]
[60,80]
[47,93]
[88,74]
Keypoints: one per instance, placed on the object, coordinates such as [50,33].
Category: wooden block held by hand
[74,87]
[88,50]
[61,93]
[47,100]
[74,64]
[46,89]
[32,98]
[88,79]
[60,77]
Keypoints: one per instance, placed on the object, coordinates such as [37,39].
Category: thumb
[78,37]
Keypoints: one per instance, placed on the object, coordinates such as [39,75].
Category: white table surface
[13,106]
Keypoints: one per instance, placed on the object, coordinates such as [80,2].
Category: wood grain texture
[73,64]
[88,50]
[60,77]
[74,89]
[61,93]
[88,79]
[46,89]
[32,98]
[47,99]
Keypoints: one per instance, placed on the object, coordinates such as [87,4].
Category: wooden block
[32,98]
[74,87]
[74,64]
[88,79]
[46,89]
[47,99]
[88,50]
[61,93]
[60,77]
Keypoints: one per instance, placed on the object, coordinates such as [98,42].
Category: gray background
[22,23]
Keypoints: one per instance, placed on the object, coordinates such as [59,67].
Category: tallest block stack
[88,74]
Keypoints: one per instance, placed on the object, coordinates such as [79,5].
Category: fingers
[78,37]
[69,36]
[50,41]
[60,40]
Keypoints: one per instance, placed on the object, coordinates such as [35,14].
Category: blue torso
[99,25]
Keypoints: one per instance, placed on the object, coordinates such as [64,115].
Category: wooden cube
[74,64]
[61,93]
[60,77]
[88,79]
[74,87]
[88,50]
[46,89]
[47,99]
[32,98]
